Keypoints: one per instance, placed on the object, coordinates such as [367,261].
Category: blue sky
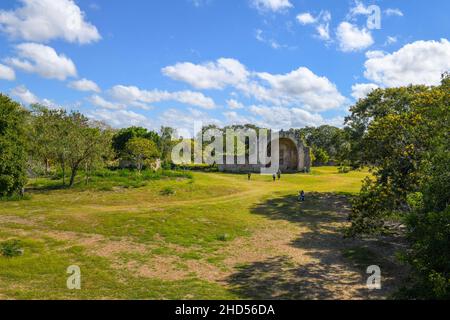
[277,63]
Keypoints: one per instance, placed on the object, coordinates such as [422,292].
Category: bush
[12,148]
[11,248]
[167,191]
[429,234]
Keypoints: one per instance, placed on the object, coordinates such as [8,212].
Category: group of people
[301,194]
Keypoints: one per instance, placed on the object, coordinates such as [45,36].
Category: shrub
[11,248]
[12,148]
[167,191]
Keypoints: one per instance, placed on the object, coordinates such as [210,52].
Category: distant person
[279,174]
[249,176]
[302,196]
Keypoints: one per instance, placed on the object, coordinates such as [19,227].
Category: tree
[141,151]
[321,157]
[166,143]
[121,138]
[403,129]
[86,142]
[13,147]
[328,139]
[429,234]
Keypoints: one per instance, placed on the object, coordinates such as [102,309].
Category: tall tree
[13,147]
[403,129]
[141,151]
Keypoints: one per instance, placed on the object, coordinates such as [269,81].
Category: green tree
[121,138]
[86,143]
[141,151]
[429,234]
[321,157]
[13,155]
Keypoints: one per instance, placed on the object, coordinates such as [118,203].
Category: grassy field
[192,236]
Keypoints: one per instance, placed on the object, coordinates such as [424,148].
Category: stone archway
[288,155]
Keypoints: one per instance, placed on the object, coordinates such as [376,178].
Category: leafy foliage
[11,248]
[403,129]
[12,147]
[142,151]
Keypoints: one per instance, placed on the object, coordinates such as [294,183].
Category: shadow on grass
[341,263]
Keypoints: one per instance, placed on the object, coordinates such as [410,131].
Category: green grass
[186,217]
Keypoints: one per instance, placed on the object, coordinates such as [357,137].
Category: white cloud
[44,20]
[321,22]
[134,96]
[359,9]
[299,87]
[120,118]
[303,87]
[234,104]
[375,54]
[353,39]
[84,85]
[394,12]
[184,121]
[104,104]
[420,62]
[7,73]
[278,118]
[306,18]
[43,60]
[27,97]
[272,5]
[361,90]
[271,42]
[24,95]
[211,75]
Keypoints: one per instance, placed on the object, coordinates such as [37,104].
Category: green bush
[11,248]
[12,148]
[167,191]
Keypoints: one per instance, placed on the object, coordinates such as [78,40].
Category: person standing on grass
[302,196]
[249,176]
[279,174]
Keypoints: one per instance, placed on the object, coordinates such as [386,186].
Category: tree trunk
[63,167]
[73,175]
[47,166]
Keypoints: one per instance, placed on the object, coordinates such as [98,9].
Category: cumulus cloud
[7,73]
[234,104]
[420,62]
[44,20]
[278,118]
[321,22]
[134,96]
[302,86]
[43,60]
[359,9]
[184,120]
[99,101]
[210,75]
[351,38]
[272,5]
[27,97]
[299,87]
[361,90]
[120,118]
[84,85]
[24,95]
[306,18]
